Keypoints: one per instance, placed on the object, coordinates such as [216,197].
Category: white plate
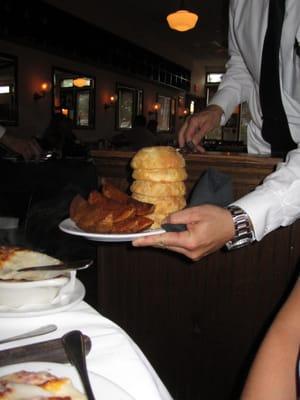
[102,387]
[76,296]
[70,227]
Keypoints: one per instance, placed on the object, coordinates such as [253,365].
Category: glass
[8,90]
[130,104]
[164,113]
[125,109]
[213,77]
[82,109]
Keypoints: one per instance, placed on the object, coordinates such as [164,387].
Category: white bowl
[23,293]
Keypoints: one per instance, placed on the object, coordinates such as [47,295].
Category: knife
[48,351]
[64,266]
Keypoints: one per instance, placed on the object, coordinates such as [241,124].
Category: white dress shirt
[276,202]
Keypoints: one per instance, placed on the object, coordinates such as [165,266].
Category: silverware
[36,332]
[189,147]
[48,351]
[67,266]
[73,343]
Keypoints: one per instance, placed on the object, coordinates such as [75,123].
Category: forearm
[274,372]
[237,82]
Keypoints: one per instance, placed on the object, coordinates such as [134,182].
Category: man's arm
[274,372]
[236,82]
[233,90]
[28,148]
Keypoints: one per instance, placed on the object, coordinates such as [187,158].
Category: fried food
[159,189]
[160,174]
[78,208]
[157,219]
[158,156]
[118,213]
[142,208]
[111,192]
[118,210]
[163,205]
[132,225]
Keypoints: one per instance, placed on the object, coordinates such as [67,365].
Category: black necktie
[275,129]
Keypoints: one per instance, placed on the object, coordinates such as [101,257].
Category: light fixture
[182,20]
[154,108]
[44,88]
[185,113]
[81,82]
[112,102]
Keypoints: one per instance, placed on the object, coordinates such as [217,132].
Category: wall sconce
[155,107]
[44,88]
[112,101]
[184,114]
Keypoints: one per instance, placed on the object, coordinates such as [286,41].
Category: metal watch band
[244,233]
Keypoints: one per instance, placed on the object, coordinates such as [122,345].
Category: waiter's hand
[27,147]
[198,125]
[209,227]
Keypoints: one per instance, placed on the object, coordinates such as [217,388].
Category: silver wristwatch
[244,233]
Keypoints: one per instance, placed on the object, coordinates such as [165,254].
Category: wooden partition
[199,323]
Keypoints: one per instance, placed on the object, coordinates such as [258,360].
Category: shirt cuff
[265,217]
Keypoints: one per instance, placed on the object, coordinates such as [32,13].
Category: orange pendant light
[182,20]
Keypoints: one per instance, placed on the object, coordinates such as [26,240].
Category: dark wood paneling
[198,323]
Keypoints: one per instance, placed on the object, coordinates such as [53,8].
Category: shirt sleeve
[2,131]
[237,81]
[276,202]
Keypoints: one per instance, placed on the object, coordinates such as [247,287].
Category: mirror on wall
[130,104]
[8,90]
[165,113]
[74,97]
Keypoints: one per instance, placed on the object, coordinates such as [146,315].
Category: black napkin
[213,187]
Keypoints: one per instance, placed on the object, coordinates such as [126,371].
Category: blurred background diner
[138,137]
[83,85]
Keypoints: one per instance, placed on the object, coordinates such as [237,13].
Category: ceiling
[145,24]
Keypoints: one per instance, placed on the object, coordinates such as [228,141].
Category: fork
[36,332]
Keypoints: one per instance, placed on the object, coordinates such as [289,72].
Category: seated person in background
[26,147]
[274,374]
[59,137]
[152,126]
[139,136]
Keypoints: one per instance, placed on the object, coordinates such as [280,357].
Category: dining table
[113,354]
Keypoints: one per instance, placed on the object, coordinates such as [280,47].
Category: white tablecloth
[113,355]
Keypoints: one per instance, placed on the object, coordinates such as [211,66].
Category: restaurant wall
[35,67]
